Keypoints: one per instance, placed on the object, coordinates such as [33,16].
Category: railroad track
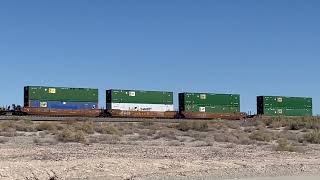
[47,118]
[99,119]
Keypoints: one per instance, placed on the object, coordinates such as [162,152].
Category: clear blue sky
[248,47]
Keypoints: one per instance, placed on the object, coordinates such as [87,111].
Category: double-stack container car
[64,101]
[136,103]
[284,106]
[83,102]
[210,106]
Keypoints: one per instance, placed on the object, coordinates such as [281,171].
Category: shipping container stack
[284,106]
[60,98]
[209,103]
[135,100]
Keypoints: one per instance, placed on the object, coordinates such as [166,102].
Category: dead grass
[284,145]
[8,132]
[261,135]
[294,123]
[106,129]
[46,126]
[313,137]
[192,125]
[147,123]
[294,130]
[70,136]
[165,134]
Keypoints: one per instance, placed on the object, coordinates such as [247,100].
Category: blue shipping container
[63,105]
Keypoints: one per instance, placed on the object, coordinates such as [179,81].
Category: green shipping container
[206,102]
[288,102]
[42,93]
[210,99]
[287,112]
[139,97]
[211,109]
[284,106]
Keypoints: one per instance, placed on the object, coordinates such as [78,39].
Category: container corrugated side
[139,97]
[284,106]
[210,99]
[63,105]
[211,109]
[140,107]
[289,102]
[211,103]
[43,93]
[287,112]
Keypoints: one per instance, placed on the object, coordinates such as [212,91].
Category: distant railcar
[140,104]
[210,106]
[284,106]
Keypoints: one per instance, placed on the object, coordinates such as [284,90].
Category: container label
[203,96]
[43,104]
[202,109]
[52,90]
[132,93]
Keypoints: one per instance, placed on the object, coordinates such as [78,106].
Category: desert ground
[277,149]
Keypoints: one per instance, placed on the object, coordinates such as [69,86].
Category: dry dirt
[21,158]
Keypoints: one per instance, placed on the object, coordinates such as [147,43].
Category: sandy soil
[20,158]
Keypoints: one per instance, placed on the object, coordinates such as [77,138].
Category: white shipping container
[141,107]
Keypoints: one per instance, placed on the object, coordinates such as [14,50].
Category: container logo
[280,111]
[132,93]
[203,96]
[279,99]
[52,90]
[202,109]
[43,104]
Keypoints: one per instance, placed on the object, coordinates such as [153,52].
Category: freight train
[84,102]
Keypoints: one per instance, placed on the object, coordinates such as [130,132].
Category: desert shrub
[192,125]
[165,134]
[284,145]
[69,136]
[87,127]
[313,137]
[25,125]
[243,139]
[197,136]
[254,123]
[261,135]
[8,132]
[147,123]
[106,129]
[232,125]
[289,135]
[147,132]
[45,126]
[294,123]
[7,125]
[225,137]
[79,136]
[105,139]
